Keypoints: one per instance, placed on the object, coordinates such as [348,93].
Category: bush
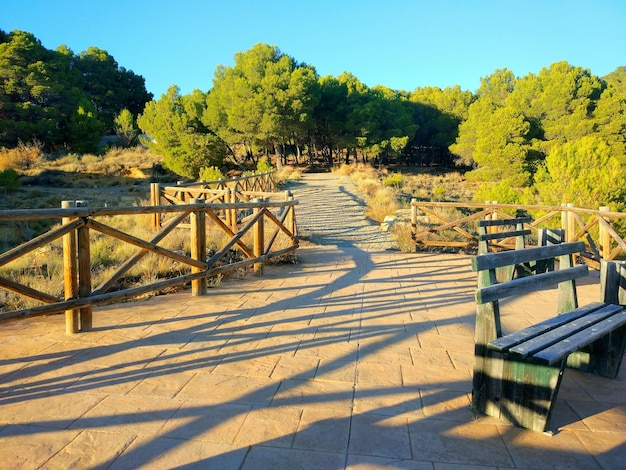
[264,166]
[211,173]
[22,157]
[9,179]
[394,181]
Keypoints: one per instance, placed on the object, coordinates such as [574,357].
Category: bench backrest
[489,291]
[501,229]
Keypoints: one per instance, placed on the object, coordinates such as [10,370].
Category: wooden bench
[492,231]
[517,376]
[491,234]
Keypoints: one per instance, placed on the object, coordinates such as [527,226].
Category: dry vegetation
[389,192]
[122,177]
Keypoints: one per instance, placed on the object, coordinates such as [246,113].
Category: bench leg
[602,357]
[518,392]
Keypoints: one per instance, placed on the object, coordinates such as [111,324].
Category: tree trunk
[279,157]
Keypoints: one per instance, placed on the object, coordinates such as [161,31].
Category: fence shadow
[339,361]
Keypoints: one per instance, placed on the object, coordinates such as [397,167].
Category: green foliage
[264,165]
[394,181]
[9,179]
[584,173]
[439,193]
[514,123]
[42,93]
[84,129]
[502,192]
[265,100]
[179,135]
[211,173]
[125,128]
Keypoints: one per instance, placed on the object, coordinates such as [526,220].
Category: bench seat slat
[565,332]
[504,343]
[560,350]
[503,235]
[529,284]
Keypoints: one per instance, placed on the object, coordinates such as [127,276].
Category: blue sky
[400,44]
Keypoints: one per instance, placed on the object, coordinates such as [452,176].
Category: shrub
[211,173]
[383,203]
[264,165]
[23,157]
[395,181]
[9,179]
[439,193]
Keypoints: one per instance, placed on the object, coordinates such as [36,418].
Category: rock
[388,222]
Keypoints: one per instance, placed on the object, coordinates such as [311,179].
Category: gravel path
[331,213]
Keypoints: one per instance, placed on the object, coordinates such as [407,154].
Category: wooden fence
[448,224]
[257,229]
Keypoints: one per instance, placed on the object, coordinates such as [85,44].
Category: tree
[177,132]
[110,87]
[263,102]
[42,92]
[125,128]
[584,173]
[515,123]
[500,150]
[84,132]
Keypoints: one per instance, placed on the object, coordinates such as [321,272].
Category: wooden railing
[232,191]
[267,230]
[227,191]
[448,224]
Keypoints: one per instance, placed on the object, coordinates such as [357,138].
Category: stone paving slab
[346,359]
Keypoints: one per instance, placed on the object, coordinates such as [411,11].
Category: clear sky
[401,44]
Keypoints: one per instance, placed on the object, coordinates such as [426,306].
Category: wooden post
[181,194]
[290,219]
[155,200]
[564,222]
[228,212]
[613,282]
[233,215]
[571,225]
[414,222]
[70,273]
[198,246]
[84,273]
[605,237]
[259,241]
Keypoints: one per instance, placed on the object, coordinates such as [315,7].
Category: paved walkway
[347,359]
[330,212]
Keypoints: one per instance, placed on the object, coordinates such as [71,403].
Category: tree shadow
[354,406]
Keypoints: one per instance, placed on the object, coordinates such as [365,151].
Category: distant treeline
[60,99]
[268,103]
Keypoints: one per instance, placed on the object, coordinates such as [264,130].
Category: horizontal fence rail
[219,237]
[453,224]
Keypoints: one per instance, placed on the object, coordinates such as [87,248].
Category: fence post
[198,246]
[233,211]
[70,272]
[604,236]
[84,272]
[289,218]
[564,224]
[571,225]
[414,222]
[181,191]
[155,200]
[259,240]
[228,213]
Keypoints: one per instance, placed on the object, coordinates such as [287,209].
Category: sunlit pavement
[347,359]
